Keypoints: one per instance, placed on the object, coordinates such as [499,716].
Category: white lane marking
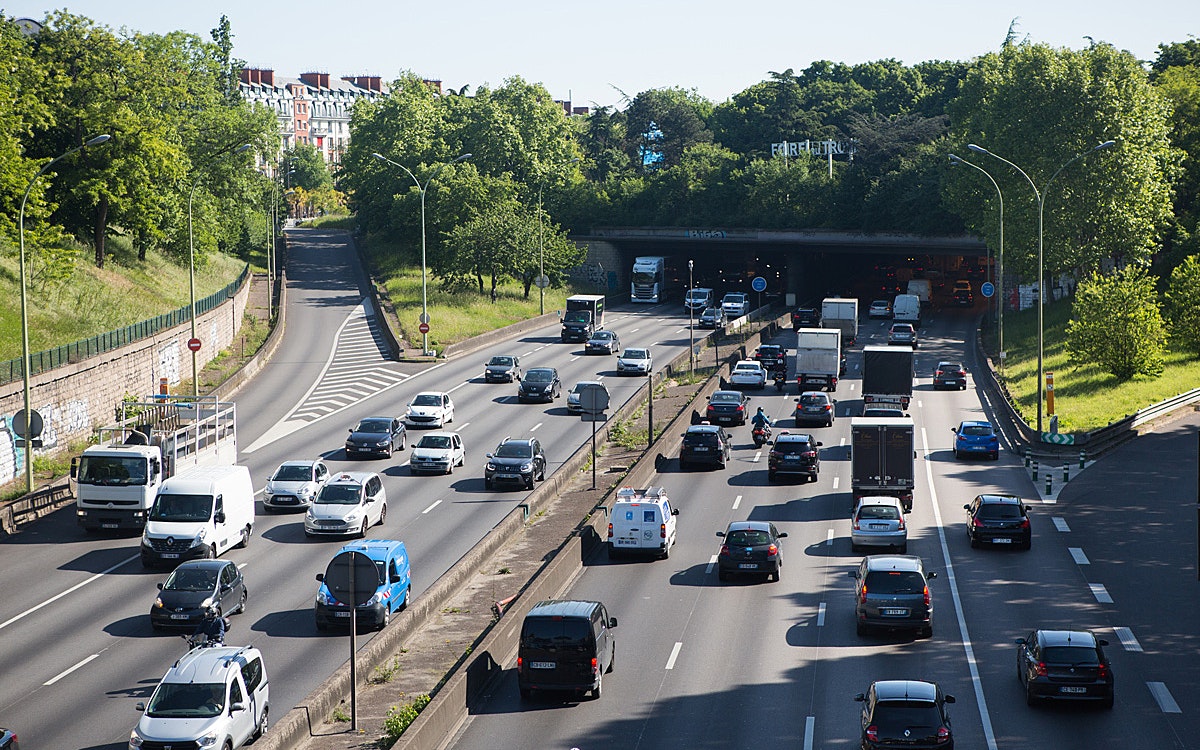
[539,424]
[1128,639]
[674,655]
[1078,556]
[654,344]
[842,443]
[836,482]
[406,463]
[1162,696]
[241,566]
[969,650]
[61,675]
[71,590]
[737,501]
[635,330]
[526,354]
[460,385]
[461,427]
[435,504]
[757,456]
[809,721]
[821,615]
[1060,523]
[572,359]
[712,561]
[829,538]
[681,330]
[1101,593]
[543,346]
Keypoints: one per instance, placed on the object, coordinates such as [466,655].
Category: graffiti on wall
[11,458]
[168,362]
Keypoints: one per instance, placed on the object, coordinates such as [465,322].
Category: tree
[1183,304]
[312,174]
[662,124]
[1181,86]
[1117,323]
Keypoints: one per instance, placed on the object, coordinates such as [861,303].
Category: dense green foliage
[1183,304]
[1117,324]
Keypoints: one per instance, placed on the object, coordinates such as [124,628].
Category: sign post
[593,400]
[194,344]
[759,284]
[352,578]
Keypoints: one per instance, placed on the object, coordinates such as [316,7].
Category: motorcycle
[761,435]
[201,640]
[780,379]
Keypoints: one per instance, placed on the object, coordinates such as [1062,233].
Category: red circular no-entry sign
[194,344]
[423,328]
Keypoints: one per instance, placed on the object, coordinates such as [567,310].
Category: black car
[379,436]
[794,453]
[750,548]
[711,317]
[704,444]
[1067,665]
[540,384]
[805,317]
[950,375]
[193,587]
[999,519]
[964,298]
[909,714]
[727,407]
[891,592]
[503,368]
[771,356]
[515,462]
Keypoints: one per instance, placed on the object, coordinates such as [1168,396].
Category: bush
[400,717]
[1117,324]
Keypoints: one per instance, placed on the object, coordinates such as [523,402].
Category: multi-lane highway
[76,647]
[706,664]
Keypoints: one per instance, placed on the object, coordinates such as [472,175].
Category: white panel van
[199,513]
[642,521]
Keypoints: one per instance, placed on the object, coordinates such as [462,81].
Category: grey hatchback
[892,593]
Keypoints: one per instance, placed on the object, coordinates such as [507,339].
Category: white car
[430,409]
[735,305]
[635,361]
[349,503]
[438,451]
[294,484]
[748,374]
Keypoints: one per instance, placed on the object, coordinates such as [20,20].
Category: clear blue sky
[587,51]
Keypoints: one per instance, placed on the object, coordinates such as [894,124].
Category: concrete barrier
[476,343]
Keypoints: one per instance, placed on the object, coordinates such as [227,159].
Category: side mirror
[819,444]
[350,430]
[239,706]
[796,400]
[782,534]
[954,430]
[674,511]
[321,577]
[721,533]
[487,455]
[394,578]
[930,576]
[141,706]
[219,516]
[1020,641]
[948,698]
[1102,642]
[966,507]
[612,622]
[860,698]
[160,586]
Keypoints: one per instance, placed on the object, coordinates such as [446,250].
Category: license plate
[879,526]
[1077,690]
[507,476]
[893,612]
[700,450]
[108,525]
[179,617]
[748,566]
[542,665]
[341,614]
[1002,540]
[626,542]
[169,555]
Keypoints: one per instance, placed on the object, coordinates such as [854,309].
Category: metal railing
[74,352]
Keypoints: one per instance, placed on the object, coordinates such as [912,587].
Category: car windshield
[726,398]
[183,508]
[734,298]
[711,312]
[501,361]
[187,700]
[581,387]
[514,450]
[112,470]
[1074,655]
[603,335]
[539,376]
[879,512]
[949,367]
[792,446]
[747,538]
[427,399]
[434,441]
[634,354]
[696,294]
[577,316]
[771,350]
[879,303]
[999,510]
[373,425]
[339,494]
[976,430]
[748,367]
[191,579]
[883,413]
[895,719]
[293,473]
[902,329]
[895,582]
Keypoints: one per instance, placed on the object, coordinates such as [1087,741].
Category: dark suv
[794,453]
[905,713]
[805,317]
[892,592]
[704,444]
[1064,665]
[950,375]
[999,519]
[515,462]
[540,384]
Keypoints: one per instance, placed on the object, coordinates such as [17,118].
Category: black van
[565,645]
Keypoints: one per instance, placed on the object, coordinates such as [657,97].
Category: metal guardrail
[49,359]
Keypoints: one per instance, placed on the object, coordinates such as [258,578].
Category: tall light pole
[691,328]
[1041,204]
[192,278]
[541,247]
[25,362]
[1000,262]
[423,189]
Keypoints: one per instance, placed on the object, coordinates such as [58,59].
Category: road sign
[1058,438]
[593,399]
[352,577]
[541,282]
[758,284]
[35,424]
[194,344]
[987,289]
[423,328]
[424,318]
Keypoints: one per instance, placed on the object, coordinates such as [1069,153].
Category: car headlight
[146,538]
[376,599]
[526,467]
[309,516]
[158,604]
[351,518]
[381,442]
[208,740]
[490,467]
[135,739]
[201,535]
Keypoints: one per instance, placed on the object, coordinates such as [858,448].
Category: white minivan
[642,521]
[199,513]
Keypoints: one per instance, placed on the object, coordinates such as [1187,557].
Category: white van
[214,697]
[642,521]
[199,513]
[907,309]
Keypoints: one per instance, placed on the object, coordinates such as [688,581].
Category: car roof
[563,608]
[604,332]
[753,362]
[814,393]
[739,394]
[793,437]
[351,477]
[208,665]
[1081,638]
[895,562]
[704,428]
[975,423]
[878,500]
[204,564]
[883,302]
[432,393]
[437,433]
[377,416]
[913,690]
[540,369]
[516,441]
[749,526]
[587,382]
[378,550]
[1000,499]
[300,462]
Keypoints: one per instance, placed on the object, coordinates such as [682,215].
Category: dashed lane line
[674,655]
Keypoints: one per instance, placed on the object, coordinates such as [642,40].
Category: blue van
[395,586]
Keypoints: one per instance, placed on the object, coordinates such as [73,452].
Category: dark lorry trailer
[887,375]
[882,458]
[583,316]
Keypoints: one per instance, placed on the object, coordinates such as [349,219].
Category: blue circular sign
[987,289]
[758,284]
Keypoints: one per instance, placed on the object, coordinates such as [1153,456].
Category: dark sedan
[999,519]
[711,317]
[950,375]
[502,368]
[1067,665]
[727,407]
[379,436]
[195,586]
[751,547]
[540,384]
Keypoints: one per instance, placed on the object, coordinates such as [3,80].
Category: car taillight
[901,526]
[595,665]
[961,373]
[1024,523]
[828,407]
[1040,668]
[1102,672]
[856,525]
[520,663]
[977,522]
[810,454]
[834,381]
[610,531]
[943,734]
[939,374]
[873,733]
[772,551]
[741,408]
[662,530]
[862,594]
[928,599]
[724,550]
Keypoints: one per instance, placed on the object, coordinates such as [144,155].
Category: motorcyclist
[211,627]
[761,420]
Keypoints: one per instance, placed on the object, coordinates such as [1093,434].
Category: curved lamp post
[541,247]
[25,303]
[1000,256]
[1041,203]
[192,277]
[423,189]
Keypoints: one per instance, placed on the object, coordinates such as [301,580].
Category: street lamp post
[1000,262]
[691,328]
[423,189]
[25,361]
[1041,204]
[541,247]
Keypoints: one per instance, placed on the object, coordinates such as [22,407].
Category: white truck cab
[642,521]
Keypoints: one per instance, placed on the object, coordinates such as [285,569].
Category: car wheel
[244,540]
[596,691]
[241,605]
[450,466]
[404,602]
[722,575]
[957,455]
[1107,704]
[487,484]
[261,729]
[389,451]
[612,659]
[974,541]
[382,514]
[362,533]
[927,631]
[526,693]
[529,482]
[212,552]
[228,745]
[1030,698]
[386,619]
[774,576]
[404,441]
[770,476]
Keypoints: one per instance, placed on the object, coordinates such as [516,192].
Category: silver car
[635,361]
[604,342]
[878,522]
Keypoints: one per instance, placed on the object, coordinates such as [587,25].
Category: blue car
[393,587]
[976,439]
